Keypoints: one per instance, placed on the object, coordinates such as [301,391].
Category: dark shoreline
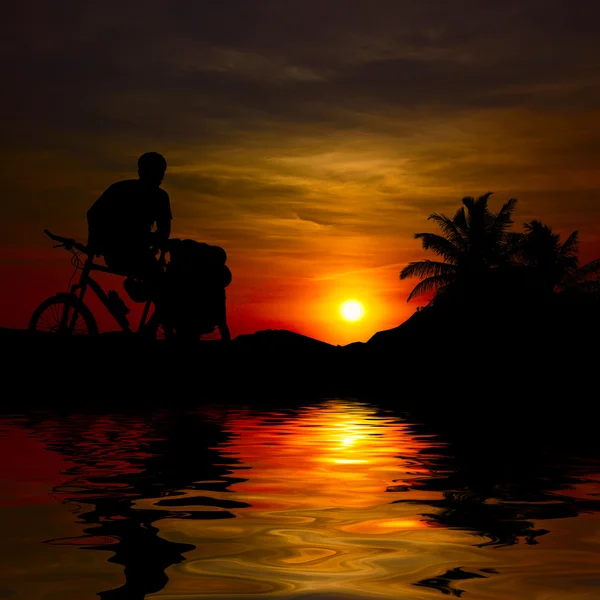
[527,396]
[121,368]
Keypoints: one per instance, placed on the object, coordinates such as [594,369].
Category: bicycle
[66,313]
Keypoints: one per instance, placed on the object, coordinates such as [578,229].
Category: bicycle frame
[86,280]
[75,295]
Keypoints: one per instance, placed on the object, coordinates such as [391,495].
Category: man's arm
[163,221]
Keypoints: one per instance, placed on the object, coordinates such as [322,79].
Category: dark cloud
[292,60]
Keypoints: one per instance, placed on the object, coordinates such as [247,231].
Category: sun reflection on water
[342,454]
[337,499]
[319,516]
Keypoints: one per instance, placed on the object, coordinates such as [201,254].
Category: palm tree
[473,242]
[556,264]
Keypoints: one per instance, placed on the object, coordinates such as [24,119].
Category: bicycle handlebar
[70,243]
[66,242]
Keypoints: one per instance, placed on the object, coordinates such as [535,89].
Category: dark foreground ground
[555,374]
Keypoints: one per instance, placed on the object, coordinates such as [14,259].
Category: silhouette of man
[121,221]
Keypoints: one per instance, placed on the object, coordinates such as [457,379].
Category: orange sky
[309,141]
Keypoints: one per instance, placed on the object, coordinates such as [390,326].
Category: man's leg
[154,278]
[142,265]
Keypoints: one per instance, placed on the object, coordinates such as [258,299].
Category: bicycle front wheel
[63,314]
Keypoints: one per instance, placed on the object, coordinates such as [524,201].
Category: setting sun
[352,310]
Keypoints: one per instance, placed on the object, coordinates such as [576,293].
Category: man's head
[152,167]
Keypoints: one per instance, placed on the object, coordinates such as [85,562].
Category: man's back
[123,217]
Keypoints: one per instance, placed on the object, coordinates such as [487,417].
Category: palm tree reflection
[499,489]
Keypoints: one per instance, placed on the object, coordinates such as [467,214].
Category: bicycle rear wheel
[56,315]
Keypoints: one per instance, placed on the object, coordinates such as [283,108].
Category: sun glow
[352,310]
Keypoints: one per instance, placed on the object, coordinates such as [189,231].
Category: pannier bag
[196,278]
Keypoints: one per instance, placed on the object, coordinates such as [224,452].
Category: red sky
[309,139]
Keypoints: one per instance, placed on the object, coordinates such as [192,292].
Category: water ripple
[329,500]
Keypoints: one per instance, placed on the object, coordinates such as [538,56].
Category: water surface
[332,499]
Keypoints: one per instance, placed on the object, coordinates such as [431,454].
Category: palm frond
[440,245]
[536,226]
[429,284]
[469,202]
[536,230]
[504,218]
[449,228]
[541,246]
[427,268]
[478,212]
[568,256]
[460,219]
[570,247]
[514,246]
[588,271]
[483,200]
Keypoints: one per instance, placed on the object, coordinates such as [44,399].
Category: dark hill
[275,340]
[460,352]
[123,367]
